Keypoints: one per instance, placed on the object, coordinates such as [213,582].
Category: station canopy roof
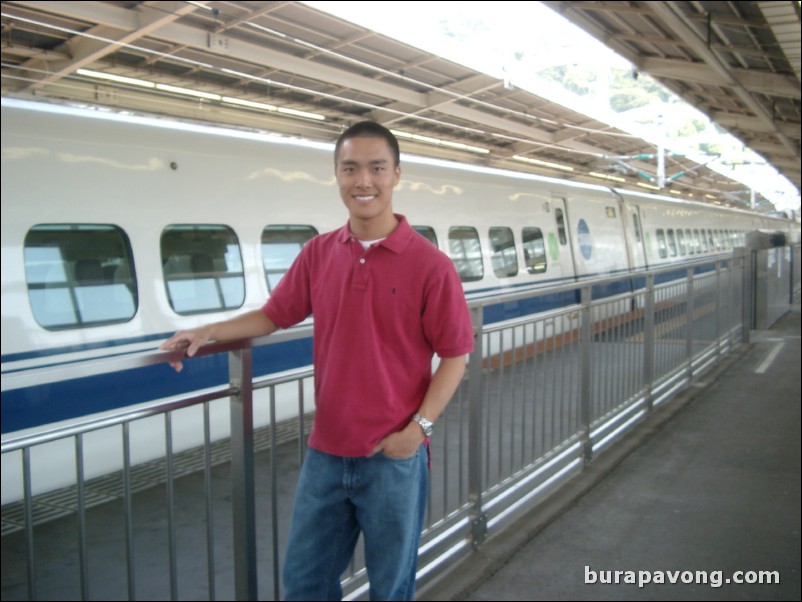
[289,68]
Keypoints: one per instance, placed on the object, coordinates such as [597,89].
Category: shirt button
[362,260]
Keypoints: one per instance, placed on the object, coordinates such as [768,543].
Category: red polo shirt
[379,316]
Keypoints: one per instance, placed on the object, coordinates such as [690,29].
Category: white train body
[137,201]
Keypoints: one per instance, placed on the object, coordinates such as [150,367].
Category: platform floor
[708,492]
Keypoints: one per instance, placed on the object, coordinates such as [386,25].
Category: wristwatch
[426,426]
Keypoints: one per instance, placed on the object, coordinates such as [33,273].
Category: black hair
[369,129]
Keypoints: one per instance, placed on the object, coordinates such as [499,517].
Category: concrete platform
[706,494]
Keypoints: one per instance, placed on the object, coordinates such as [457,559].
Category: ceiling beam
[753,124]
[771,84]
[678,23]
[101,40]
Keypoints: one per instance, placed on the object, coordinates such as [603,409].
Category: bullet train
[119,230]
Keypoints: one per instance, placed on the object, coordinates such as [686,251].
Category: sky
[499,30]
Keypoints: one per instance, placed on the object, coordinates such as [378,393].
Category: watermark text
[711,578]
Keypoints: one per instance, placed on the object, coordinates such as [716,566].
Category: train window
[661,243]
[560,217]
[636,224]
[710,240]
[79,275]
[689,236]
[280,246]
[701,241]
[202,268]
[534,250]
[672,243]
[504,258]
[466,252]
[681,241]
[427,232]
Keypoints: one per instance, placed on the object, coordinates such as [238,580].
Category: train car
[118,230]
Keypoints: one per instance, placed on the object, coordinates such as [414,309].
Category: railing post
[475,430]
[689,305]
[748,294]
[585,340]
[718,311]
[648,341]
[240,369]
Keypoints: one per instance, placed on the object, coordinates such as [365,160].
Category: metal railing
[543,395]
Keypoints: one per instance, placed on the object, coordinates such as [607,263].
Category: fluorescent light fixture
[116,78]
[237,73]
[198,94]
[305,114]
[439,142]
[249,103]
[605,176]
[273,108]
[649,186]
[188,92]
[466,147]
[548,164]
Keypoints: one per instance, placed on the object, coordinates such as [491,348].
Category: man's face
[366,175]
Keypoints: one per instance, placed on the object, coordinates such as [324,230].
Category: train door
[559,243]
[633,232]
[597,242]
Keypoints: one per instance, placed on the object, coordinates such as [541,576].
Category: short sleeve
[446,318]
[291,300]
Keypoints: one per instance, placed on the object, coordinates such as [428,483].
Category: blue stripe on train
[681,274]
[515,309]
[108,345]
[43,404]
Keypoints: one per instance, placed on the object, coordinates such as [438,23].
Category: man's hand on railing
[251,324]
[188,340]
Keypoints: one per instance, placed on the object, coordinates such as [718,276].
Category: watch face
[425,425]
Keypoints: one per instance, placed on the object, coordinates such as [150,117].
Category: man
[384,301]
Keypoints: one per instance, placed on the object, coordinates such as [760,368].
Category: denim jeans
[336,498]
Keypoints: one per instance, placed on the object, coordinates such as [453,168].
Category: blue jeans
[336,498]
